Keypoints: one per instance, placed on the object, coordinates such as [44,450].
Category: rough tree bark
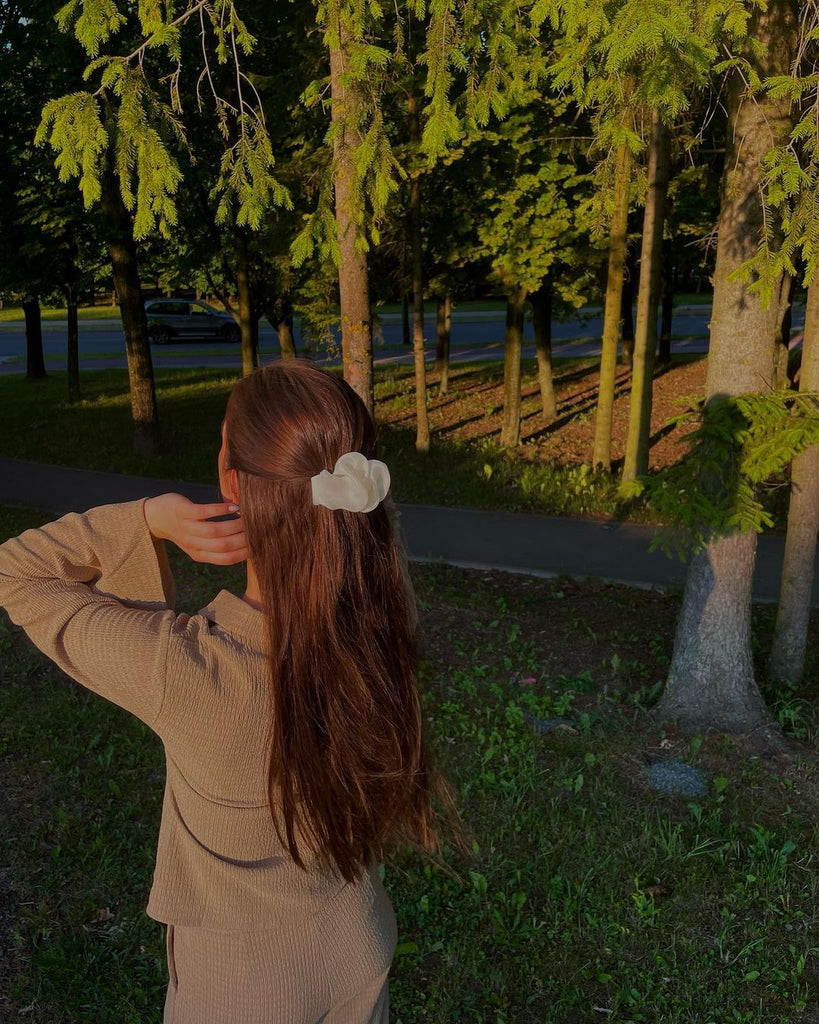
[786,662]
[443,333]
[667,307]
[122,249]
[353,279]
[35,361]
[711,680]
[648,300]
[248,324]
[513,344]
[421,415]
[601,455]
[542,323]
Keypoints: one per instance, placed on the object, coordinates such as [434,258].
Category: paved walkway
[513,542]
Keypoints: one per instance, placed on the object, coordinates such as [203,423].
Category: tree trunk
[123,252]
[667,315]
[421,416]
[645,339]
[444,333]
[779,375]
[248,324]
[711,679]
[440,332]
[73,346]
[601,456]
[353,280]
[35,361]
[287,344]
[513,344]
[406,328]
[542,323]
[787,658]
[279,313]
[627,313]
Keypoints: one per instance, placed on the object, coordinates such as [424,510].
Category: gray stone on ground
[677,778]
[544,725]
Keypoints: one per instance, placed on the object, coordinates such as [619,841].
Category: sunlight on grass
[37,422]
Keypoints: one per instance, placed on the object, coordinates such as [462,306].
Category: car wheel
[159,335]
[231,332]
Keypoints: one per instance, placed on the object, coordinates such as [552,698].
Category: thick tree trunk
[421,415]
[648,300]
[667,314]
[353,279]
[787,658]
[123,252]
[601,456]
[248,324]
[513,345]
[35,361]
[542,323]
[711,679]
[73,346]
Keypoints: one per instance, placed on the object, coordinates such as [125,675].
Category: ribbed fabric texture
[330,968]
[95,593]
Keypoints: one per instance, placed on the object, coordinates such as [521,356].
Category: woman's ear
[233,478]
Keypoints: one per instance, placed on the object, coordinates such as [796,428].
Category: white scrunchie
[356,484]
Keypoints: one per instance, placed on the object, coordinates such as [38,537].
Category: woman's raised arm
[95,593]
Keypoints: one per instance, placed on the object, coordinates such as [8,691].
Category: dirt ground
[473,406]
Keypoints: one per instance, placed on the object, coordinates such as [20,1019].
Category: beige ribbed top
[95,593]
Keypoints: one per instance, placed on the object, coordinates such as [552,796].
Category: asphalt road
[475,336]
[511,542]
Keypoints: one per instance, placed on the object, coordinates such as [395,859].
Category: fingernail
[233,508]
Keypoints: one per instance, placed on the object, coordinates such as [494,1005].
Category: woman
[289,716]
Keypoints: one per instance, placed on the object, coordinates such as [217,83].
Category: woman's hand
[173,517]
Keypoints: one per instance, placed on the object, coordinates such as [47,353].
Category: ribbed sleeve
[93,592]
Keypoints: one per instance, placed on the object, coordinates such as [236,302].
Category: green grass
[588,896]
[107,312]
[36,422]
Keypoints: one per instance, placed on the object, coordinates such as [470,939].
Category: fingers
[233,543]
[222,508]
[225,528]
[220,557]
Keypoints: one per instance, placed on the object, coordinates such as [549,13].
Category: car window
[157,307]
[179,308]
[199,310]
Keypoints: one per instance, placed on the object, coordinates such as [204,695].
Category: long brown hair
[347,774]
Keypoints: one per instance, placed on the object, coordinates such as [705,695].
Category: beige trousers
[329,969]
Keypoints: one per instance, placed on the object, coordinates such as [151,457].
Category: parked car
[181,319]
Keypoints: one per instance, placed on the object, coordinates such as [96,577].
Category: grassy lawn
[466,465]
[589,896]
[106,312]
[36,422]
